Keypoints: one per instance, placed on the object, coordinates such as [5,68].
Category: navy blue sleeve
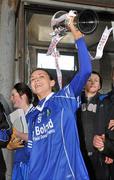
[5,137]
[85,67]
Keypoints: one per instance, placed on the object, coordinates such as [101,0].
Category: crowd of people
[67,138]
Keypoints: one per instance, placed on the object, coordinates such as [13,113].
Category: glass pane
[48,62]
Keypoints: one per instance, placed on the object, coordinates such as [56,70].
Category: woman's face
[16,99]
[41,84]
[93,84]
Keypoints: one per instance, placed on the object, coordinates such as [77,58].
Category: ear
[24,96]
[52,83]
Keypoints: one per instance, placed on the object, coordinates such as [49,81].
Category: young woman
[21,98]
[55,150]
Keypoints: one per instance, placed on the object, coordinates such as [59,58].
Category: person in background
[105,142]
[7,154]
[21,98]
[5,135]
[92,120]
[55,149]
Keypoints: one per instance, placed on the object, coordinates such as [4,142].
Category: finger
[111,123]
[21,146]
[112,128]
[12,138]
[108,160]
[17,140]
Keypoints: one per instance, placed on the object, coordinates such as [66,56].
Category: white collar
[40,108]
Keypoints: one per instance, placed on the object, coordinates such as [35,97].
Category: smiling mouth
[38,86]
[92,87]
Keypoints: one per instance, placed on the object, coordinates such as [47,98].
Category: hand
[108,160]
[15,143]
[98,142]
[70,24]
[20,135]
[16,133]
[111,124]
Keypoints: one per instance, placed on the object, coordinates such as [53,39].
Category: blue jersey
[5,135]
[53,137]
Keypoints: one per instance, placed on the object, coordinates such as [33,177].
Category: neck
[40,97]
[89,95]
[25,107]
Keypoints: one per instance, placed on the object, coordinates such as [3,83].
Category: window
[66,62]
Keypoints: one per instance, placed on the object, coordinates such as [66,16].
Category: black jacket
[4,126]
[109,134]
[109,144]
[2,163]
[92,120]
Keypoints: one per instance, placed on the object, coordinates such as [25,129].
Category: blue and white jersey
[55,149]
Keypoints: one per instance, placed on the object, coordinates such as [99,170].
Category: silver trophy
[86,21]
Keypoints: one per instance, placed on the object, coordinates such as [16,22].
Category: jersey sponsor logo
[43,131]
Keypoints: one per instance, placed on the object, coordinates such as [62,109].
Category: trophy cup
[86,21]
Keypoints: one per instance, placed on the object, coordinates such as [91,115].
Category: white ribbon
[101,44]
[53,51]
[56,55]
[53,44]
[113,28]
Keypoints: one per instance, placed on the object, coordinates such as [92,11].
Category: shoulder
[32,113]
[103,97]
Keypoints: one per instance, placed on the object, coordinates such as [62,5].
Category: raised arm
[84,60]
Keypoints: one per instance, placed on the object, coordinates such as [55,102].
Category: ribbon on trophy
[113,28]
[58,33]
[56,55]
[52,50]
[101,44]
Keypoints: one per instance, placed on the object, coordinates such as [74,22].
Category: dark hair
[100,78]
[22,88]
[49,74]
